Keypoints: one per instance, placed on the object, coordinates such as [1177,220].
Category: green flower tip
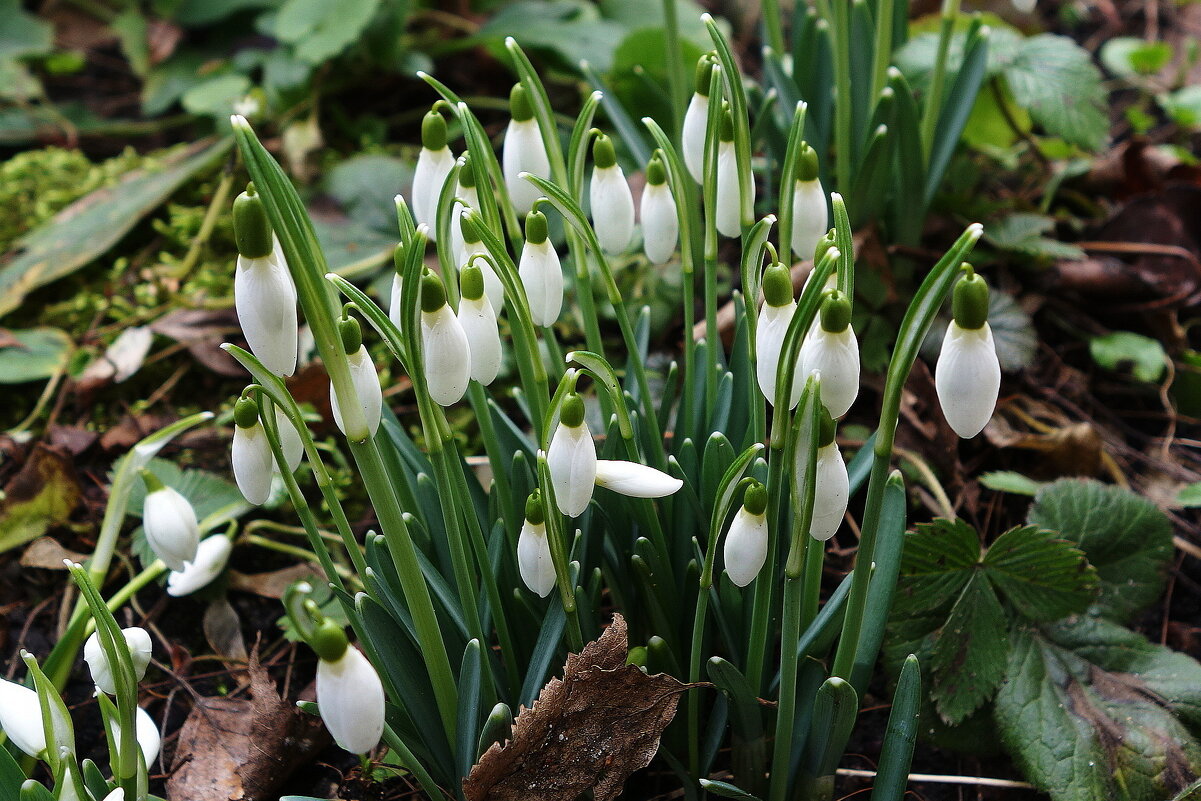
[519,104]
[466,176]
[754,500]
[246,412]
[823,246]
[727,125]
[398,258]
[152,482]
[603,154]
[252,230]
[433,294]
[329,641]
[471,282]
[535,227]
[835,312]
[806,163]
[572,414]
[969,303]
[826,428]
[656,173]
[777,285]
[433,131]
[704,73]
[469,224]
[534,512]
[351,333]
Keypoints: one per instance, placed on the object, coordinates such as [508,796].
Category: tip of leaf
[510,42]
[835,197]
[238,121]
[707,18]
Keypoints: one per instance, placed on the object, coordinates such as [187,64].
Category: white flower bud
[136,639]
[144,731]
[265,299]
[524,152]
[433,167]
[693,136]
[835,355]
[612,209]
[542,276]
[769,341]
[660,223]
[350,698]
[478,322]
[290,442]
[394,300]
[252,462]
[968,378]
[635,480]
[572,461]
[810,218]
[365,381]
[832,491]
[471,199]
[171,528]
[533,559]
[21,717]
[729,202]
[447,355]
[746,547]
[211,557]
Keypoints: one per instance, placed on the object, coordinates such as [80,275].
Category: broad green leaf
[166,83]
[319,30]
[94,223]
[1091,710]
[635,15]
[216,97]
[1190,496]
[197,13]
[1026,234]
[969,656]
[938,561]
[22,33]
[33,354]
[1043,577]
[1011,482]
[131,29]
[1055,79]
[1124,351]
[1183,105]
[572,29]
[1126,56]
[1125,537]
[365,186]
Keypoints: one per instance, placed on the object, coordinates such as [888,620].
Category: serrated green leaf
[938,561]
[1125,537]
[969,655]
[320,30]
[1091,710]
[1012,482]
[1127,352]
[1025,233]
[1045,578]
[1055,79]
[216,97]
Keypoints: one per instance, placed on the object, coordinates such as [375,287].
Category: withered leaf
[587,731]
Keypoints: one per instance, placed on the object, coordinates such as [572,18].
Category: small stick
[940,779]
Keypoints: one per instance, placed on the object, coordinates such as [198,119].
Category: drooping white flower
[350,698]
[394,300]
[832,350]
[524,151]
[473,246]
[434,164]
[170,523]
[541,272]
[612,202]
[774,319]
[832,491]
[145,732]
[470,199]
[729,201]
[21,717]
[446,353]
[264,295]
[250,453]
[533,550]
[478,322]
[660,223]
[968,374]
[290,442]
[810,216]
[571,459]
[696,120]
[635,480]
[211,557]
[746,541]
[136,639]
[363,378]
[116,795]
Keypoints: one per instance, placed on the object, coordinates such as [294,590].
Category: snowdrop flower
[746,541]
[470,222]
[612,202]
[394,311]
[831,350]
[533,549]
[350,698]
[469,199]
[660,223]
[264,296]
[774,319]
[729,201]
[446,352]
[434,164]
[571,459]
[696,120]
[170,523]
[363,378]
[116,795]
[250,454]
[540,271]
[810,218]
[635,480]
[524,151]
[136,639]
[968,374]
[21,717]
[211,557]
[144,731]
[832,485]
[478,323]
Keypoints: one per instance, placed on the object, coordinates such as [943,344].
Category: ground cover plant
[589,445]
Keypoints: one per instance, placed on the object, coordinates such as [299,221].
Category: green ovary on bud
[535,228]
[745,548]
[835,312]
[754,500]
[246,412]
[471,282]
[329,641]
[660,218]
[603,154]
[540,271]
[968,373]
[827,428]
[830,348]
[533,508]
[611,199]
[656,173]
[806,163]
[572,414]
[703,75]
[534,560]
[969,302]
[364,380]
[726,129]
[777,285]
[466,176]
[351,334]
[729,193]
[571,458]
[696,120]
[776,316]
[477,318]
[433,131]
[520,107]
[523,152]
[252,230]
[433,295]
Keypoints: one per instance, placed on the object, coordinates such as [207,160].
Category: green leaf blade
[1043,577]
[969,657]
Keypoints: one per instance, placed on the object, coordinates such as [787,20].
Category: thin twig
[941,779]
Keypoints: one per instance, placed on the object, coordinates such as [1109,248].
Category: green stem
[883,52]
[844,105]
[933,105]
[676,79]
[773,26]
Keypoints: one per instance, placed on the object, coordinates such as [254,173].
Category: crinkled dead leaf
[587,731]
[42,494]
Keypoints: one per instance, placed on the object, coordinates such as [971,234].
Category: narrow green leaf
[1012,482]
[896,754]
[469,701]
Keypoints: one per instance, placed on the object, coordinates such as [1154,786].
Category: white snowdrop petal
[289,441]
[729,208]
[471,199]
[394,301]
[769,341]
[660,223]
[836,358]
[367,388]
[572,461]
[745,547]
[116,795]
[810,218]
[612,209]
[968,378]
[832,492]
[433,167]
[533,559]
[350,698]
[524,152]
[211,557]
[693,135]
[145,732]
[265,300]
[21,717]
[493,287]
[171,527]
[136,639]
[542,276]
[447,356]
[478,322]
[634,479]
[252,462]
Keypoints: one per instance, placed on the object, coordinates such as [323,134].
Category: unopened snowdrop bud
[264,296]
[170,523]
[746,541]
[541,272]
[524,151]
[968,374]
[696,120]
[478,321]
[660,223]
[250,454]
[571,459]
[394,310]
[533,549]
[470,199]
[831,350]
[363,377]
[832,488]
[470,223]
[446,351]
[211,558]
[434,164]
[21,717]
[289,442]
[729,203]
[612,202]
[774,319]
[810,217]
[136,639]
[635,480]
[145,732]
[350,696]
